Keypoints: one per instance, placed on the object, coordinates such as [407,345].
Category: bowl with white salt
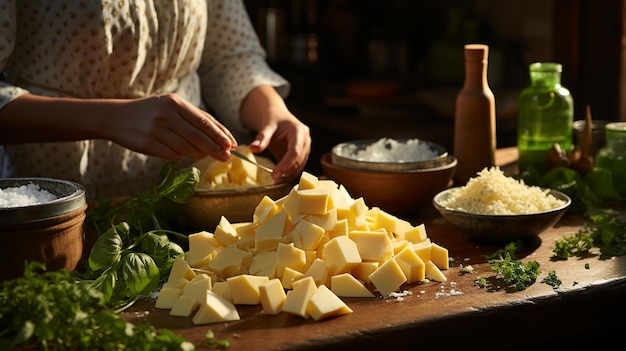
[41,219]
[389,155]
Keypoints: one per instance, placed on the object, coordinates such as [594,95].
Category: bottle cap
[476,52]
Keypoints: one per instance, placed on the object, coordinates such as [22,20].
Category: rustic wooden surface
[587,309]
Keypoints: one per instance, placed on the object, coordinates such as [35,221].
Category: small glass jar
[612,157]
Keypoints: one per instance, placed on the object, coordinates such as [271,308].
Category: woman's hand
[169,127]
[278,130]
[166,126]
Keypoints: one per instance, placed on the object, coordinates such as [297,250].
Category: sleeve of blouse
[233,62]
[7,43]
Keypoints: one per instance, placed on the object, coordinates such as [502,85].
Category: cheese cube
[201,246]
[399,245]
[184,306]
[306,235]
[215,309]
[167,298]
[417,234]
[313,201]
[319,271]
[358,207]
[364,269]
[372,245]
[222,289]
[289,276]
[180,270]
[325,304]
[341,228]
[230,261]
[264,263]
[439,256]
[412,265]
[328,220]
[423,249]
[388,277]
[245,229]
[245,288]
[388,221]
[434,273]
[197,287]
[270,232]
[177,284]
[307,181]
[225,233]
[287,255]
[265,209]
[297,299]
[341,254]
[346,285]
[272,296]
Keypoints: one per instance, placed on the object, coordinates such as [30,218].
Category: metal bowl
[501,228]
[70,197]
[51,232]
[346,155]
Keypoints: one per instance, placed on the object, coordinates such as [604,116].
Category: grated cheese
[492,192]
[390,150]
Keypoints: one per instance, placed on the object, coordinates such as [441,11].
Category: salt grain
[25,195]
[390,150]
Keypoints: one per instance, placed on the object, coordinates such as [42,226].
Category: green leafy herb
[552,280]
[579,243]
[214,343]
[586,265]
[136,246]
[606,231]
[481,281]
[53,310]
[514,272]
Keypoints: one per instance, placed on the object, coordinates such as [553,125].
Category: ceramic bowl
[399,193]
[501,228]
[205,208]
[347,155]
[50,232]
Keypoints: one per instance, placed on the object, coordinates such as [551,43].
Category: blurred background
[371,69]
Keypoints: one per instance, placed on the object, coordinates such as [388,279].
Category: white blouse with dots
[203,50]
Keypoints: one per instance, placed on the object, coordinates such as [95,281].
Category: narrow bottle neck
[545,78]
[475,73]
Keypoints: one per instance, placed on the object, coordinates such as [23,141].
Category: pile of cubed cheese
[300,254]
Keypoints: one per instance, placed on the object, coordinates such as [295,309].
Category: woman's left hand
[278,130]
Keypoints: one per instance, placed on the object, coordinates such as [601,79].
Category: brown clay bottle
[474,117]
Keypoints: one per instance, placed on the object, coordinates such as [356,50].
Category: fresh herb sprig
[515,272]
[606,231]
[135,248]
[53,310]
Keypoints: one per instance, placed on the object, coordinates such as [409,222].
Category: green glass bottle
[545,116]
[613,156]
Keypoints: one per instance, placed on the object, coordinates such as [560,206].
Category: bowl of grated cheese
[499,208]
[389,155]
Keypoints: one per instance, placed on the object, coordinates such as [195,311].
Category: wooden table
[587,309]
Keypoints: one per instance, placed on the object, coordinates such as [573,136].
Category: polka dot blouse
[205,51]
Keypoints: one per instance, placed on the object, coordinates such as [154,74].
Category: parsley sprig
[53,310]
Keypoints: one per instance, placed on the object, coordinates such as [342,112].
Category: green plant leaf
[140,273]
[107,248]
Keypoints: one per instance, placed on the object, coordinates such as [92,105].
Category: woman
[105,92]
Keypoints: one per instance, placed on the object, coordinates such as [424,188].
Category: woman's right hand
[169,127]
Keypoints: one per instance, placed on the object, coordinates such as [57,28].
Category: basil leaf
[140,273]
[106,250]
[106,284]
[180,185]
